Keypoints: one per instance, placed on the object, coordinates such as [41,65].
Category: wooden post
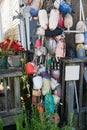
[17,92]
[6,97]
[69,98]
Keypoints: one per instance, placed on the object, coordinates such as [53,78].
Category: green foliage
[24,84]
[1,124]
[40,121]
[21,121]
[24,78]
[70,125]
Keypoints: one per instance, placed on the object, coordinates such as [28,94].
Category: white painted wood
[10,26]
[1,33]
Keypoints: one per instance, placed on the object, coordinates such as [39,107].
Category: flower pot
[3,62]
[16,62]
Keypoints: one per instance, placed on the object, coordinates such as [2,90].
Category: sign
[72,72]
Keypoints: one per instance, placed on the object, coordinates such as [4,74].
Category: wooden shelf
[12,72]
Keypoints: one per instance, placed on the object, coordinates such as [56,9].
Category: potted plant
[10,48]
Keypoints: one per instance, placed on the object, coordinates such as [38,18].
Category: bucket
[3,62]
[16,62]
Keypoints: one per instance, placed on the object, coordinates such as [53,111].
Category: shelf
[75,60]
[11,72]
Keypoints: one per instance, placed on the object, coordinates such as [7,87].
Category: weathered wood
[11,78]
[69,91]
[9,119]
[86,107]
[17,92]
[11,72]
[6,99]
[73,60]
[63,93]
[81,91]
[70,98]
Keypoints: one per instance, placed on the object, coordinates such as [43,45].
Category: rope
[82,16]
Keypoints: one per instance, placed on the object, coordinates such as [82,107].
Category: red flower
[14,45]
[8,40]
